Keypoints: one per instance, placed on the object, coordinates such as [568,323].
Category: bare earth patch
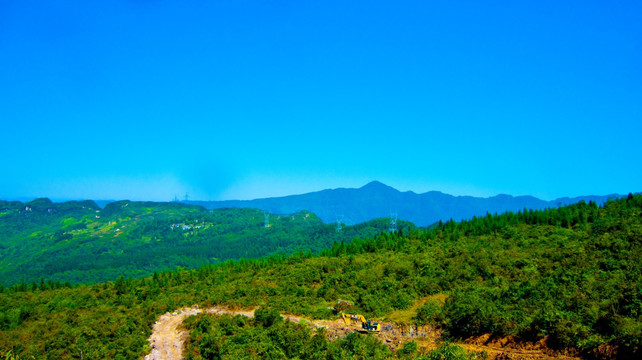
[168,336]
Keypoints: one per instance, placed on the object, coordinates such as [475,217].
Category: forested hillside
[569,277]
[79,242]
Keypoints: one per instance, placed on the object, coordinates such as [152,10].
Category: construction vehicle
[366,325]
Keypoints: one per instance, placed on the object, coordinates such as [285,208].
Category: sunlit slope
[79,242]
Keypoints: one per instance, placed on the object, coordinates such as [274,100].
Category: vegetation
[571,274]
[9,356]
[267,336]
[77,242]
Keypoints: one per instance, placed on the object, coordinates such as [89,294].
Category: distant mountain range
[376,200]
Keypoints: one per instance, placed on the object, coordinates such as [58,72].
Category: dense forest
[79,242]
[571,276]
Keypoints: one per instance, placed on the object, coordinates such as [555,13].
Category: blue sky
[143,100]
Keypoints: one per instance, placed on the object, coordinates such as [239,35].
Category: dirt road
[168,337]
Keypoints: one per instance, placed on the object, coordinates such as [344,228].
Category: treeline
[571,216]
[577,284]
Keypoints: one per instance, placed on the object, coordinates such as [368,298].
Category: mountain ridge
[376,199]
[76,241]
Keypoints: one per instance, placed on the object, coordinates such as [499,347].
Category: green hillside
[571,276]
[79,242]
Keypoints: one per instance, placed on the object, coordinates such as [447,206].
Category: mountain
[377,200]
[558,283]
[80,242]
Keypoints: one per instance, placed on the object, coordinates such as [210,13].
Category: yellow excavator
[367,325]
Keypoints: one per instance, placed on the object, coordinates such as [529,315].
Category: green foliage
[226,337]
[10,356]
[408,350]
[77,242]
[267,316]
[571,274]
[448,351]
[428,313]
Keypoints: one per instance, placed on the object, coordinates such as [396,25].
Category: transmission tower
[267,218]
[339,219]
[393,223]
[186,197]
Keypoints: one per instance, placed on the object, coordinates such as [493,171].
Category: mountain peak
[376,185]
[378,200]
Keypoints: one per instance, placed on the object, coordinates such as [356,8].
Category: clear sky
[238,99]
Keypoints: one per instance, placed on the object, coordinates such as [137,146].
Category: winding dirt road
[168,337]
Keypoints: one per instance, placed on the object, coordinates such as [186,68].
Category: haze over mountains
[376,200]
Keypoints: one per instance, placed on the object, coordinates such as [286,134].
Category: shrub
[267,316]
